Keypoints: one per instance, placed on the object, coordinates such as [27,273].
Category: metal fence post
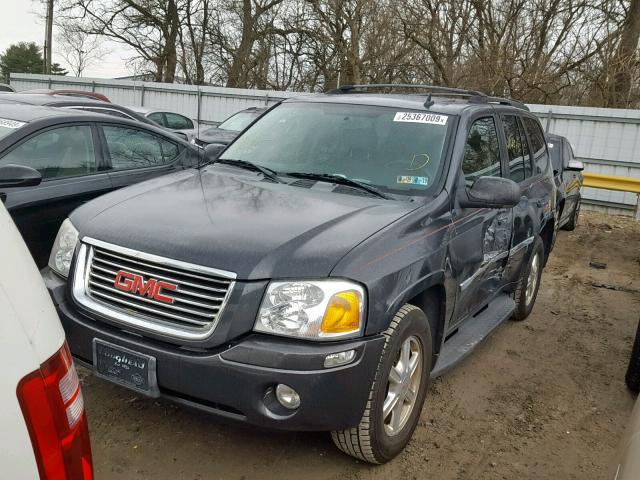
[142,95]
[199,106]
[638,208]
[546,127]
[93,86]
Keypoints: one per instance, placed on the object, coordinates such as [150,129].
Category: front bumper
[237,379]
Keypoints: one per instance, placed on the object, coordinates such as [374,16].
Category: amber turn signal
[342,314]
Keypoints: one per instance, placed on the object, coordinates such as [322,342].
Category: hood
[237,222]
[217,135]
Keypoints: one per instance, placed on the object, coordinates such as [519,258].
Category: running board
[472,332]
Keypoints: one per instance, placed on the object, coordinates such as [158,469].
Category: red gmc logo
[130,282]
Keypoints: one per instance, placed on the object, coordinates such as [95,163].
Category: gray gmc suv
[341,252]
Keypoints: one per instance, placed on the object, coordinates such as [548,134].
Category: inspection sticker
[415,117]
[411,180]
[6,123]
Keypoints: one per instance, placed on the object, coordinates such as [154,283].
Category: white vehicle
[44,427]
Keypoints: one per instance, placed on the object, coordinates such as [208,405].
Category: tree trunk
[624,58]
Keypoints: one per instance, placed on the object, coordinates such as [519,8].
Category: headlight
[316,310]
[63,248]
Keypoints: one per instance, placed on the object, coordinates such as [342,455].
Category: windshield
[7,126]
[238,122]
[395,150]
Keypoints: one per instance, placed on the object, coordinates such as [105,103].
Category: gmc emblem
[130,282]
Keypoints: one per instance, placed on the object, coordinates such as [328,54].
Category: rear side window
[177,122]
[157,118]
[57,153]
[515,147]
[131,148]
[556,152]
[538,146]
[482,151]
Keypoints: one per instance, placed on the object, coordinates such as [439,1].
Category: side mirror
[213,150]
[19,176]
[492,192]
[575,165]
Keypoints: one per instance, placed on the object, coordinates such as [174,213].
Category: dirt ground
[543,399]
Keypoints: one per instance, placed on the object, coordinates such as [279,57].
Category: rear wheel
[633,372]
[529,283]
[397,394]
[573,221]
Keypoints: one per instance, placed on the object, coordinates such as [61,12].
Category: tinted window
[56,153]
[536,137]
[131,148]
[157,118]
[515,148]
[482,152]
[392,149]
[177,122]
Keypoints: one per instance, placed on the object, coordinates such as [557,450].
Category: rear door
[134,155]
[72,168]
[572,181]
[528,166]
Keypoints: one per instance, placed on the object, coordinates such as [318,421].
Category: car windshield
[7,126]
[238,122]
[392,149]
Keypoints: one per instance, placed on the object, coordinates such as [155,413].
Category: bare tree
[78,48]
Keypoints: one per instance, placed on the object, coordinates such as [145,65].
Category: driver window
[482,151]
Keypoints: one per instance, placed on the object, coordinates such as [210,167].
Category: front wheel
[397,394]
[529,282]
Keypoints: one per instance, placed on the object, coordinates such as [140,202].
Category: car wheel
[633,372]
[572,223]
[397,394]
[529,282]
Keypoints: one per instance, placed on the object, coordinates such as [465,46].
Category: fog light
[337,359]
[287,396]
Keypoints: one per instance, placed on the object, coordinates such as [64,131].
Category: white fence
[606,139]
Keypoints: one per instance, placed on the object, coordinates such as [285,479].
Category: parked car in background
[628,459]
[86,104]
[342,251]
[75,156]
[172,121]
[44,426]
[6,88]
[69,93]
[229,129]
[567,171]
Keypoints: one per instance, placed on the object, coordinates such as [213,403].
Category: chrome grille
[198,298]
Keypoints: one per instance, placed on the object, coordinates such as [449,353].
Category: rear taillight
[53,410]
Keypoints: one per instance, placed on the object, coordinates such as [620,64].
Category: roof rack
[473,95]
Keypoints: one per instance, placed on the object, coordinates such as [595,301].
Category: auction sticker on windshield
[415,117]
[6,123]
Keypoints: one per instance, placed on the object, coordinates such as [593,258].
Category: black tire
[633,372]
[369,441]
[525,304]
[572,223]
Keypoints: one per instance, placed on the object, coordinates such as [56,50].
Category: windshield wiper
[247,165]
[332,177]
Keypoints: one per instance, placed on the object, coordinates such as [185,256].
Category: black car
[342,251]
[77,157]
[567,172]
[229,129]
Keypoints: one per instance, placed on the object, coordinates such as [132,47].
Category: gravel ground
[540,399]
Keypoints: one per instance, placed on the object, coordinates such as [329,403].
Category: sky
[20,23]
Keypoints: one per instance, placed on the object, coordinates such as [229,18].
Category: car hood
[217,135]
[237,222]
